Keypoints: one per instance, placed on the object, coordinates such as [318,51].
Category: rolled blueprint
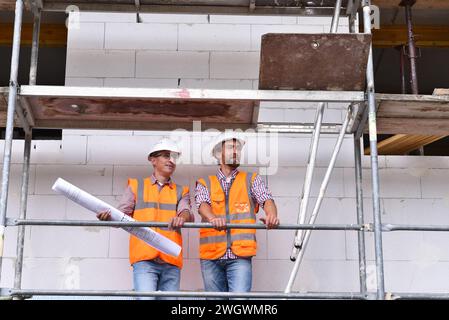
[96,205]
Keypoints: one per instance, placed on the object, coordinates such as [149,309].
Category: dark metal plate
[314,61]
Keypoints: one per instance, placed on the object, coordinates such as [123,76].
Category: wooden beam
[420,4]
[51,35]
[424,118]
[402,144]
[425,36]
[7,4]
[412,126]
[441,92]
[415,107]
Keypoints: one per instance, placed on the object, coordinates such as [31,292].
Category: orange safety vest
[152,205]
[236,207]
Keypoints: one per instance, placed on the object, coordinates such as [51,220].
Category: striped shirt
[259,193]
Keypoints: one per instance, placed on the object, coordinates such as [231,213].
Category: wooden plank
[7,5]
[402,144]
[425,36]
[138,108]
[413,126]
[135,125]
[441,92]
[4,108]
[51,35]
[413,114]
[135,109]
[413,106]
[415,120]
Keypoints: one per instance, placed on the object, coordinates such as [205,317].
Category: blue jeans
[152,276]
[230,275]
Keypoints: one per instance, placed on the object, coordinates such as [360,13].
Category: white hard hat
[165,145]
[226,136]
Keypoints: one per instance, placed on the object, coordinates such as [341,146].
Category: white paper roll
[96,205]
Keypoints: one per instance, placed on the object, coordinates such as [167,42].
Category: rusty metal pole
[407,4]
[402,69]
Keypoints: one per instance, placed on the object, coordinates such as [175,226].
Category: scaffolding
[26,106]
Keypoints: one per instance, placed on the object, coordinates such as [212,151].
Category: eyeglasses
[167,155]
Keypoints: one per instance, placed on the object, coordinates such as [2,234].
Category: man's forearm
[270,208]
[185,214]
[205,212]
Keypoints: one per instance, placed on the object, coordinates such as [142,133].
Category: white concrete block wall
[214,37]
[158,37]
[216,52]
[90,36]
[172,64]
[100,63]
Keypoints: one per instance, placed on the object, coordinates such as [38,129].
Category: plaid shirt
[259,193]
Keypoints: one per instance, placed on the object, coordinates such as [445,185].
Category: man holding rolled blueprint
[156,198]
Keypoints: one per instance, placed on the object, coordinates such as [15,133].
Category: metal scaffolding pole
[322,191]
[298,245]
[407,4]
[308,179]
[35,47]
[358,181]
[420,296]
[13,87]
[352,9]
[360,219]
[388,227]
[23,208]
[299,235]
[26,155]
[402,69]
[336,16]
[189,225]
[186,294]
[366,4]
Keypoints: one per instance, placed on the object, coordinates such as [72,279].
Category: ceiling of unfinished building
[420,4]
[231,3]
[424,11]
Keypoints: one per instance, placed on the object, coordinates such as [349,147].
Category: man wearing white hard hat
[230,196]
[156,198]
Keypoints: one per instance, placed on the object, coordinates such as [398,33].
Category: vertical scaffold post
[360,218]
[12,99]
[358,182]
[366,4]
[26,154]
[407,4]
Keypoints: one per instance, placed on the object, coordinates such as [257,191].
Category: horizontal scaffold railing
[185,294]
[9,293]
[368,227]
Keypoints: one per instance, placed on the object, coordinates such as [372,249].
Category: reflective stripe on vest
[217,239]
[141,204]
